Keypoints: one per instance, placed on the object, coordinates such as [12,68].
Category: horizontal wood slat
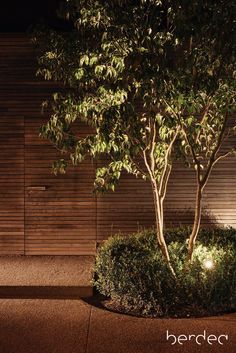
[44,214]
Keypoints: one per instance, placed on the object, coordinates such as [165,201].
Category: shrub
[132,272]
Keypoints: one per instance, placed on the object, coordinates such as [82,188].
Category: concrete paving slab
[46,270]
[43,326]
[115,333]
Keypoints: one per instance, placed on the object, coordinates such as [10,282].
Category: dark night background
[18,16]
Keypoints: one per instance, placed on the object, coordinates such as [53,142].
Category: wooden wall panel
[65,217]
[11,185]
[127,209]
[62,218]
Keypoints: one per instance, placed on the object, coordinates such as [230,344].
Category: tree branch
[153,143]
[226,154]
[213,159]
[191,147]
[167,167]
[141,171]
[146,164]
[205,111]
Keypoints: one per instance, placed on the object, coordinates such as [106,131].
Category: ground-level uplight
[209,264]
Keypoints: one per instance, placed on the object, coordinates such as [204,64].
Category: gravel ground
[72,326]
[46,270]
[43,326]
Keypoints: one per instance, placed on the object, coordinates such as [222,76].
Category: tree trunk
[159,226]
[197,221]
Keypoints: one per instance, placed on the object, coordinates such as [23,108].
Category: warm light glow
[208,264]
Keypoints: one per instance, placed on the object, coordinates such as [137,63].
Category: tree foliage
[139,73]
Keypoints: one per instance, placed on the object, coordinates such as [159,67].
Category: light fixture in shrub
[209,264]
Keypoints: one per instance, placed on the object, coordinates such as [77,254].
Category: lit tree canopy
[130,69]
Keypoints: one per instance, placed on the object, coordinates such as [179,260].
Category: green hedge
[132,272]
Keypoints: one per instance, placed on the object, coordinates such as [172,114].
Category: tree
[204,136]
[209,121]
[128,72]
